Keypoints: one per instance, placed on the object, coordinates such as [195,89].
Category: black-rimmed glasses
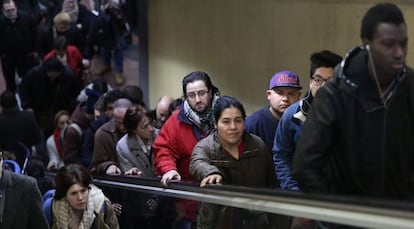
[318,80]
[193,95]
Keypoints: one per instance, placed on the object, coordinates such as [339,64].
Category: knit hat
[93,96]
[285,79]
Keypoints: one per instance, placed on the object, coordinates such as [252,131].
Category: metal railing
[360,212]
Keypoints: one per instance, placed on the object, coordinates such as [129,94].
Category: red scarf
[56,138]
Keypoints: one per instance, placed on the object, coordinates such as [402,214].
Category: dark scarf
[306,102]
[204,121]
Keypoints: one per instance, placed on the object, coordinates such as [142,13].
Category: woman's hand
[113,170]
[212,179]
[117,208]
[133,172]
[152,204]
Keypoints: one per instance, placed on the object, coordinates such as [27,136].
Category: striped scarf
[204,121]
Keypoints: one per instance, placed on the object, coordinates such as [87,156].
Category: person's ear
[365,43]
[268,93]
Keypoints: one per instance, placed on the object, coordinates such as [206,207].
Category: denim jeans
[116,53]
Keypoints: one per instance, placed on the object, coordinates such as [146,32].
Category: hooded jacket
[354,144]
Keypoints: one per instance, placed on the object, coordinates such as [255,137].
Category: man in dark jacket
[20,200]
[107,109]
[17,43]
[358,137]
[46,89]
[17,127]
[104,160]
[284,90]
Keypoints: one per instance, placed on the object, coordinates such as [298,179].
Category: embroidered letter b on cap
[285,79]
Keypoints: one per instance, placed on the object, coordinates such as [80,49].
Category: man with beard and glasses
[178,136]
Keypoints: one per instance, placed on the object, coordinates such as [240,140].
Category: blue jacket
[287,135]
[89,140]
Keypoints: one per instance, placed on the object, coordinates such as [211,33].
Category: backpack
[64,132]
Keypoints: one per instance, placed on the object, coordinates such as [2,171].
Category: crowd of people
[351,133]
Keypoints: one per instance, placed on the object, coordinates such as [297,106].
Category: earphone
[367,47]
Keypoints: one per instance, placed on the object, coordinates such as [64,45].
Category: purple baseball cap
[285,79]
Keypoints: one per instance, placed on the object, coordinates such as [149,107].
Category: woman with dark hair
[78,203]
[135,158]
[230,155]
[134,149]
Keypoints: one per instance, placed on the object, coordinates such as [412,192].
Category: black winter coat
[18,38]
[46,97]
[352,144]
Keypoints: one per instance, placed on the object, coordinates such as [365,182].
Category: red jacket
[172,151]
[174,146]
[74,58]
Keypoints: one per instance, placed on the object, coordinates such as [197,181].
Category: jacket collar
[181,115]
[250,149]
[354,73]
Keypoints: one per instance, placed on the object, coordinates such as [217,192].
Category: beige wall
[242,43]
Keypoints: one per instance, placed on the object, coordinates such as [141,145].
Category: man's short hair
[60,43]
[380,13]
[198,75]
[134,94]
[325,59]
[111,97]
[8,100]
[53,65]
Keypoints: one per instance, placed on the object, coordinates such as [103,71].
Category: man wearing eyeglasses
[181,132]
[291,122]
[284,90]
[21,204]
